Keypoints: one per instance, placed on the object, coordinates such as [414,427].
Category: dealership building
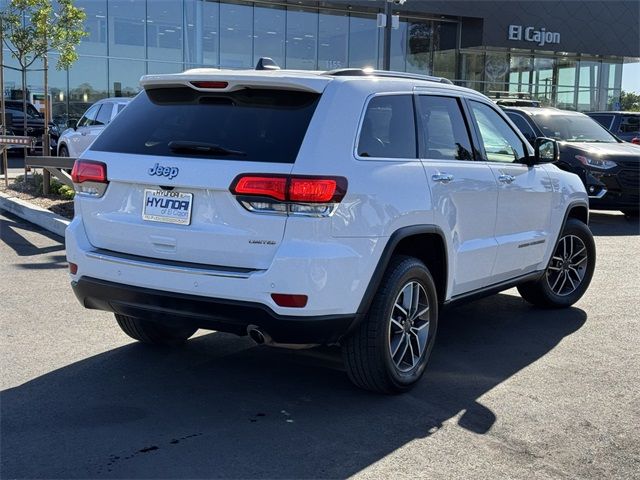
[569,54]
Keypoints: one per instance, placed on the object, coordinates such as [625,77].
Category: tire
[573,259]
[63,151]
[368,350]
[153,333]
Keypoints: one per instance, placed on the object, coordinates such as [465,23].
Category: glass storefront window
[333,49]
[399,38]
[127,28]
[496,71]
[566,84]
[95,43]
[363,41]
[589,74]
[163,67]
[269,34]
[445,39]
[302,37]
[124,77]
[164,30]
[236,35]
[543,85]
[420,44]
[87,84]
[520,71]
[472,70]
[202,32]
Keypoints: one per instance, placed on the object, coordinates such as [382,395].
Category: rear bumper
[208,313]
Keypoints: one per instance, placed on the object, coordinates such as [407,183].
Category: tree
[30,28]
[629,102]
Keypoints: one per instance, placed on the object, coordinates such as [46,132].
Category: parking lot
[511,391]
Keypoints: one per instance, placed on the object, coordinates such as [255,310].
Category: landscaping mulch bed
[30,193]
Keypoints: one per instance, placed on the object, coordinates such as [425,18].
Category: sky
[631,77]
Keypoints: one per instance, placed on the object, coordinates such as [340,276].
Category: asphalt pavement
[511,391]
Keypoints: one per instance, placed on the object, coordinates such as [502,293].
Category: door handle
[442,178]
[84,134]
[504,178]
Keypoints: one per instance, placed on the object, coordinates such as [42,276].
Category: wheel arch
[426,243]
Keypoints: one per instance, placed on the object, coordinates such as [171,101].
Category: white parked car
[76,140]
[304,208]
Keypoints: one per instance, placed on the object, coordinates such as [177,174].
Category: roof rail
[365,72]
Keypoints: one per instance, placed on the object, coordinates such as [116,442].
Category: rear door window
[104,115]
[388,128]
[258,125]
[605,120]
[630,124]
[523,126]
[444,130]
[89,117]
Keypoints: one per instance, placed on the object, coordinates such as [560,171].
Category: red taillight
[89,171]
[73,268]
[260,186]
[312,190]
[636,140]
[210,84]
[299,189]
[287,300]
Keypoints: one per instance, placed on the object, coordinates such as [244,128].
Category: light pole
[388,26]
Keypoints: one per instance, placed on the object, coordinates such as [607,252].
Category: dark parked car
[608,167]
[35,124]
[624,125]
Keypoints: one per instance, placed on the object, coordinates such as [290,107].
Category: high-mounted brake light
[89,171]
[210,84]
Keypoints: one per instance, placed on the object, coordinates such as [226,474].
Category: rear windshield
[255,125]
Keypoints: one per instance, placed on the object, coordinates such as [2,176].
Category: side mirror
[72,124]
[546,149]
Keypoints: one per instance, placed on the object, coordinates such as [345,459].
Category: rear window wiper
[202,147]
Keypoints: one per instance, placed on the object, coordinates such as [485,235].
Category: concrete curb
[34,214]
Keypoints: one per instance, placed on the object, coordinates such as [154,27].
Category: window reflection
[127,28]
[164,30]
[419,56]
[302,35]
[95,43]
[332,40]
[87,84]
[269,34]
[124,77]
[363,41]
[236,35]
[202,32]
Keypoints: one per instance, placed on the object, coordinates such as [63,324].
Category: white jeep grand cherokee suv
[307,208]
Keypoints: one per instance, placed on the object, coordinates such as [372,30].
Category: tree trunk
[24,113]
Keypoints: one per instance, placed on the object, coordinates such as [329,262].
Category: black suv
[624,125]
[35,124]
[608,167]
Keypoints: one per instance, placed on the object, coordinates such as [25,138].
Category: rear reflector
[210,84]
[89,171]
[287,300]
[73,268]
[292,188]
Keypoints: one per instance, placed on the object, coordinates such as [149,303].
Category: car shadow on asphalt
[221,407]
[612,224]
[10,227]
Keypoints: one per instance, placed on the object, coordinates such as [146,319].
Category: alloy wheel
[568,266]
[409,326]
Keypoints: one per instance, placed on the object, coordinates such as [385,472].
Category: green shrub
[66,192]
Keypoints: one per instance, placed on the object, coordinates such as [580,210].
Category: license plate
[167,206]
